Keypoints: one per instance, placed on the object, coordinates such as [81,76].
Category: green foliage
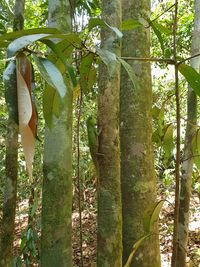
[129,71]
[130,24]
[87,73]
[51,74]
[151,216]
[191,76]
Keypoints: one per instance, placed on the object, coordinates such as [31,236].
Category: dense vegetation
[100,149]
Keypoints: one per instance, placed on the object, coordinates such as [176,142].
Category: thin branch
[79,178]
[188,58]
[162,13]
[153,59]
[178,150]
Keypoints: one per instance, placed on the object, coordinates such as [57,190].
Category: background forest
[99,133]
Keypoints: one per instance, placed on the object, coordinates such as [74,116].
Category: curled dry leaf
[26,110]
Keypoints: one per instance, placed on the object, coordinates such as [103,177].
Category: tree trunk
[187,167]
[109,239]
[138,181]
[57,184]
[10,193]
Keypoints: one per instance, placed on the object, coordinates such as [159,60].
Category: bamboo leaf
[191,76]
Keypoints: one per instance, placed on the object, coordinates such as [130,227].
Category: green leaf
[94,22]
[168,141]
[162,28]
[22,42]
[87,74]
[51,105]
[191,76]
[155,214]
[151,216]
[3,18]
[34,207]
[51,74]
[108,58]
[17,34]
[56,48]
[130,24]
[135,248]
[158,34]
[196,148]
[129,71]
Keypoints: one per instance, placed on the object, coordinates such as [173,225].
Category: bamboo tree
[57,184]
[187,167]
[138,180]
[10,193]
[109,239]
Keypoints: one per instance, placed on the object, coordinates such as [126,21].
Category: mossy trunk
[138,180]
[11,164]
[56,247]
[187,167]
[109,237]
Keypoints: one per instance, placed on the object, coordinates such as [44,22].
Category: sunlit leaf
[17,34]
[57,49]
[191,76]
[22,42]
[162,28]
[158,34]
[51,74]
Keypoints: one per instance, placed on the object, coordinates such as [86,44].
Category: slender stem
[162,13]
[154,59]
[177,170]
[188,58]
[79,177]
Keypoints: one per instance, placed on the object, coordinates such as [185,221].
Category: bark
[187,167]
[138,180]
[109,239]
[57,184]
[11,164]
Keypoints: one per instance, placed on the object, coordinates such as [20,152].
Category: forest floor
[89,230]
